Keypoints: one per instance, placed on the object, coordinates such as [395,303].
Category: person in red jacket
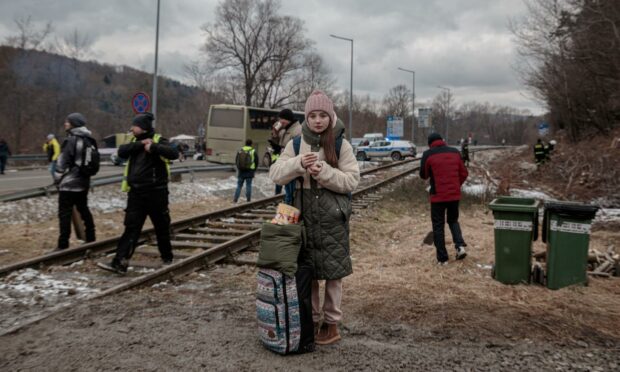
[443,165]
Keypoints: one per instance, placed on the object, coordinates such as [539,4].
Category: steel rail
[198,261]
[88,250]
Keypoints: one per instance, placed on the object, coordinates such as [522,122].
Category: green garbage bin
[516,226]
[566,230]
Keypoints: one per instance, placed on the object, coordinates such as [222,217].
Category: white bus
[228,126]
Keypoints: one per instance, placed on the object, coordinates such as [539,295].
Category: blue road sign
[140,102]
[543,129]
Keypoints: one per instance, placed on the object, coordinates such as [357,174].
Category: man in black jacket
[72,184]
[146,180]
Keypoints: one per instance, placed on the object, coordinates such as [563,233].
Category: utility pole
[412,104]
[155,72]
[350,88]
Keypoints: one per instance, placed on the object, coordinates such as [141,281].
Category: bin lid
[514,204]
[571,209]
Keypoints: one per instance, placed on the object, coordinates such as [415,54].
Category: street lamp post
[350,88]
[155,72]
[447,108]
[412,103]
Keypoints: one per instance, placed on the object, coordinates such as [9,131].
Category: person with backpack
[246,162]
[5,152]
[52,150]
[74,167]
[327,172]
[145,180]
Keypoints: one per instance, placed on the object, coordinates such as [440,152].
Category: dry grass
[396,280]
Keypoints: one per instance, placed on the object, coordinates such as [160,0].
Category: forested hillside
[39,89]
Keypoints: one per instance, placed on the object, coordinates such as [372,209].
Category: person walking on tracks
[446,171]
[73,179]
[282,133]
[52,150]
[5,152]
[328,172]
[246,162]
[145,180]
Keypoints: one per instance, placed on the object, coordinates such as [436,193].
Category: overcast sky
[464,45]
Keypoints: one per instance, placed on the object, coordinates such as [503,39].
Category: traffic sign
[543,128]
[140,103]
[424,117]
[394,127]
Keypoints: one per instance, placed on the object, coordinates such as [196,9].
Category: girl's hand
[315,169]
[308,159]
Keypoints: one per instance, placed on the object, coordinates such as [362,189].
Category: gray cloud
[464,45]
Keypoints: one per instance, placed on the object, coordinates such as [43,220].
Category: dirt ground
[401,311]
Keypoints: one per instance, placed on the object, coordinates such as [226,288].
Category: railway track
[198,242]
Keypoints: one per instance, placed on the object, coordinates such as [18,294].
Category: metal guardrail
[41,157]
[51,189]
[101,181]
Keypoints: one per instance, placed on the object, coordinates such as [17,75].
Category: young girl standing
[330,172]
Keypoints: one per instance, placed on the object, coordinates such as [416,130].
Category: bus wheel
[267,160]
[396,156]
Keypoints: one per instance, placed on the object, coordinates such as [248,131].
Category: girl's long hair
[328,143]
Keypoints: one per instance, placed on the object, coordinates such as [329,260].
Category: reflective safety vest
[539,149]
[125,185]
[250,150]
[274,157]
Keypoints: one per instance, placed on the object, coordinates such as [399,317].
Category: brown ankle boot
[328,335]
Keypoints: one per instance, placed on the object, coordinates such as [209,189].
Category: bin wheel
[493,272]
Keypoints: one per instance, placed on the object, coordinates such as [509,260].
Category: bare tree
[74,46]
[570,58]
[398,101]
[442,111]
[250,41]
[28,36]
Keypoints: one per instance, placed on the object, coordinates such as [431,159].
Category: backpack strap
[296,144]
[338,146]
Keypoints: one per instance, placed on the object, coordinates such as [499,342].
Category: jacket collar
[438,143]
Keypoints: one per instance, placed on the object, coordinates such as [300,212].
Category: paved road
[16,180]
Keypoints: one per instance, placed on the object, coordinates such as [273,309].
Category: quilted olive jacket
[326,207]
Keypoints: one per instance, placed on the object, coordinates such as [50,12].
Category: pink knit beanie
[318,101]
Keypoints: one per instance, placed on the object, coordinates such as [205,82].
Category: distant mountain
[39,89]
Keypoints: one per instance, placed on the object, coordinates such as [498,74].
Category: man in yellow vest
[146,176]
[539,152]
[246,162]
[52,150]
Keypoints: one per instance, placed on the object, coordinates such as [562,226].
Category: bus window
[262,119]
[226,118]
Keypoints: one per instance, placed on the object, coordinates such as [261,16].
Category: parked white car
[397,150]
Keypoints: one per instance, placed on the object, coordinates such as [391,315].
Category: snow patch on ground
[608,215]
[532,194]
[30,287]
[109,198]
[475,189]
